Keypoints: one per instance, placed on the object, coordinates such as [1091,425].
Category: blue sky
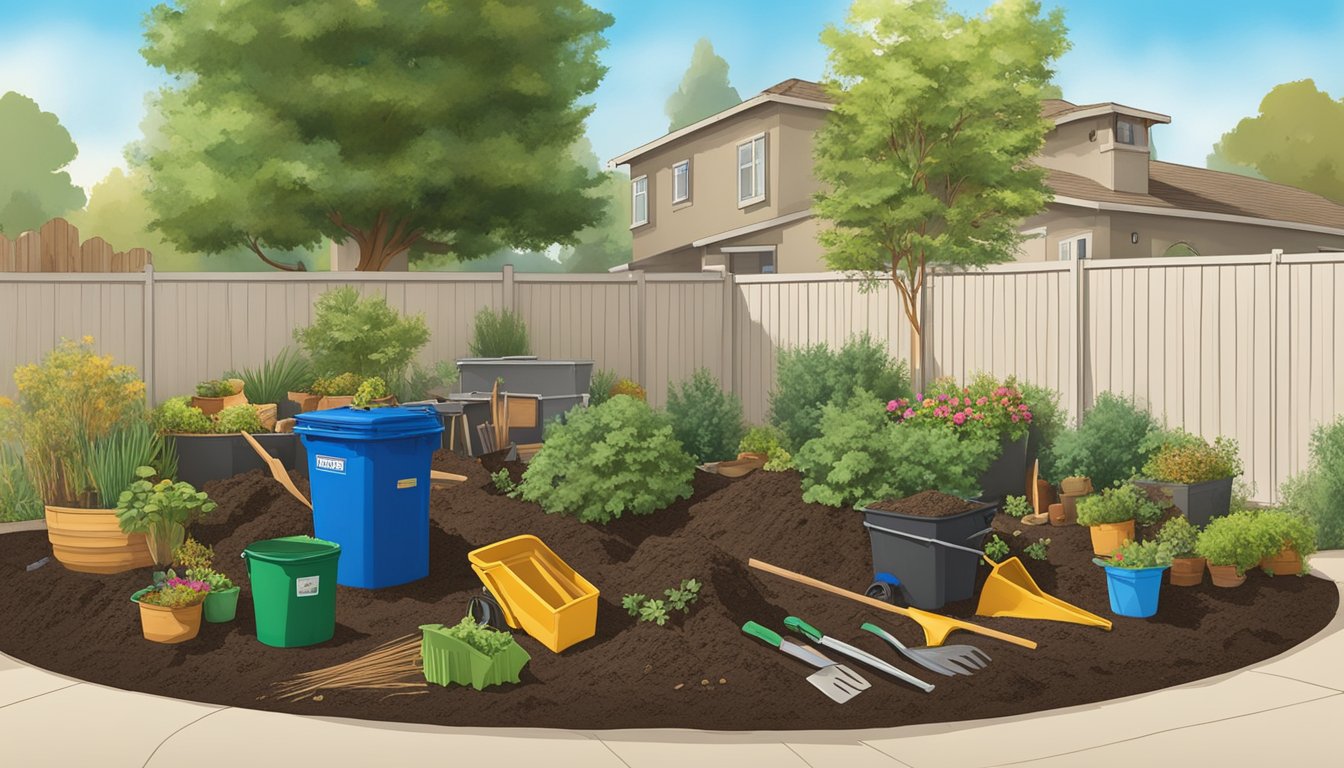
[1205,63]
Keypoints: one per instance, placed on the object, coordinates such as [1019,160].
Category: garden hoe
[837,681]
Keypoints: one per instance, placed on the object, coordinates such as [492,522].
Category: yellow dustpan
[1010,591]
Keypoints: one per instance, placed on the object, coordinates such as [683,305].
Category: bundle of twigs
[392,665]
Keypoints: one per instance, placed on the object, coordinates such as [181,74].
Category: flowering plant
[176,592]
[987,407]
[1133,554]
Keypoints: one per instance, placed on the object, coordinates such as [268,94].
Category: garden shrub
[1287,529]
[600,386]
[1108,445]
[986,405]
[370,389]
[18,496]
[214,388]
[1318,492]
[1179,536]
[238,418]
[861,457]
[1049,418]
[628,387]
[769,441]
[364,336]
[1181,457]
[706,420]
[289,371]
[1236,539]
[620,457]
[176,414]
[499,334]
[340,385]
[808,378]
[1116,505]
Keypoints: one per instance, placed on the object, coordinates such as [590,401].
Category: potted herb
[162,511]
[1233,545]
[277,380]
[339,391]
[212,447]
[372,393]
[215,395]
[766,444]
[1292,538]
[1187,567]
[1134,577]
[170,611]
[1196,475]
[221,602]
[1110,516]
[467,654]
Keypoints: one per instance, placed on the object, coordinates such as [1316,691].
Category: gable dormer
[1108,143]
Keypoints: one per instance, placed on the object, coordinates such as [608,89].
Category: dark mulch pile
[641,675]
[926,504]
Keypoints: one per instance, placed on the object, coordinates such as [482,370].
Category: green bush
[1016,506]
[600,386]
[1048,417]
[707,421]
[420,382]
[1136,554]
[1179,536]
[1108,445]
[862,457]
[176,414]
[340,385]
[1185,458]
[18,496]
[370,389]
[214,388]
[289,371]
[769,441]
[808,378]
[1318,493]
[1287,529]
[238,418]
[499,334]
[1236,539]
[618,458]
[1116,505]
[363,336]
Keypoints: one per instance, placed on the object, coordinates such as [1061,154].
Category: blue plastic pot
[1134,591]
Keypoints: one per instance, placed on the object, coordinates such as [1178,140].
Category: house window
[639,201]
[681,182]
[1124,132]
[1078,247]
[751,171]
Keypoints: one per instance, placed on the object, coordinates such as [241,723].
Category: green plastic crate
[448,660]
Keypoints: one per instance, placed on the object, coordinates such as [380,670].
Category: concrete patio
[1287,706]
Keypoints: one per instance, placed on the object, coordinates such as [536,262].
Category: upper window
[751,171]
[1074,248]
[1124,132]
[639,201]
[681,182]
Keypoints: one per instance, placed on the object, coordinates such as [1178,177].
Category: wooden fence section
[56,248]
[1246,346]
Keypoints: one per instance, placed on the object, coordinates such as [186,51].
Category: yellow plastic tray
[538,592]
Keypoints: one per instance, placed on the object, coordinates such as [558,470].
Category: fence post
[1078,348]
[730,333]
[151,391]
[641,345]
[1275,370]
[506,299]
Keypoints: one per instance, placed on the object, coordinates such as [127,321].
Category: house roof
[801,89]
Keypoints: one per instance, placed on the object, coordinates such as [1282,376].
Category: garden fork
[945,660]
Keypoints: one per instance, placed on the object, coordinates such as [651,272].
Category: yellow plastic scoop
[1010,591]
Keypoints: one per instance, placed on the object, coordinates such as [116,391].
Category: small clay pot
[1057,515]
[1108,537]
[1285,563]
[1075,486]
[1225,576]
[1187,571]
[1070,503]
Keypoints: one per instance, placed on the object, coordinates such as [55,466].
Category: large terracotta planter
[212,405]
[1286,563]
[1225,576]
[1187,571]
[168,625]
[91,541]
[1107,537]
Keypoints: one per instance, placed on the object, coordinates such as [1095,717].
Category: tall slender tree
[704,89]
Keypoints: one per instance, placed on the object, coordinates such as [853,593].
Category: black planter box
[202,458]
[1199,502]
[1006,475]
[931,574]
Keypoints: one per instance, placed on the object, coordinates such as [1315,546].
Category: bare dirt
[926,504]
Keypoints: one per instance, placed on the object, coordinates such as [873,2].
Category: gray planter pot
[202,458]
[1199,502]
[1006,475]
[526,374]
[931,575]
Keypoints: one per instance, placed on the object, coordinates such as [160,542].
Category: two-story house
[734,191]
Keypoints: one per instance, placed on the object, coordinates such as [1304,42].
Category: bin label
[306,586]
[333,464]
[407,483]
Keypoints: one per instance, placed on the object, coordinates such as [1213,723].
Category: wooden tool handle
[978,629]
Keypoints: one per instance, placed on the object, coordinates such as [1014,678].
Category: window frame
[685,198]
[1070,243]
[757,159]
[634,201]
[1133,132]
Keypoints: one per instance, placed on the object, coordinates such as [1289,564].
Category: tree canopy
[442,126]
[704,89]
[925,159]
[34,148]
[1295,140]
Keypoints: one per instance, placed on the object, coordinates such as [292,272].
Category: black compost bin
[931,574]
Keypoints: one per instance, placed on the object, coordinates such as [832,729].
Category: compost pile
[698,671]
[926,504]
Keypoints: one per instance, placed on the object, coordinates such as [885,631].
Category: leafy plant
[177,415]
[484,639]
[503,482]
[198,560]
[627,387]
[1146,554]
[809,378]
[996,549]
[1317,492]
[600,386]
[1287,529]
[340,385]
[1108,445]
[18,497]
[162,510]
[1236,539]
[363,336]
[499,334]
[655,611]
[1038,550]
[1116,505]
[1179,536]
[1049,418]
[238,418]
[177,593]
[114,459]
[861,457]
[289,371]
[986,406]
[707,421]
[214,388]
[631,603]
[420,382]
[1191,459]
[768,440]
[683,597]
[618,458]
[1016,506]
[370,389]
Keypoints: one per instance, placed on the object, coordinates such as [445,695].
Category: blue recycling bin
[369,477]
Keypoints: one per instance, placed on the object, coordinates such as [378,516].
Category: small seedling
[1016,506]
[631,603]
[503,482]
[655,611]
[1038,550]
[996,549]
[684,597]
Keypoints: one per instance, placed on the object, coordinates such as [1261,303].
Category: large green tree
[704,89]
[34,148]
[440,126]
[926,158]
[608,242]
[1295,140]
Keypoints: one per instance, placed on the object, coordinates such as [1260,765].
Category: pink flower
[959,419]
[1022,407]
[979,417]
[1004,401]
[981,400]
[891,406]
[943,398]
[919,396]
[1027,417]
[1015,417]
[969,411]
[909,413]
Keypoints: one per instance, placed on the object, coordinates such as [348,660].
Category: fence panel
[585,319]
[1310,362]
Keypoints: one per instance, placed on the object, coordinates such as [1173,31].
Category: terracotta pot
[1045,496]
[91,541]
[306,401]
[1107,537]
[212,405]
[168,625]
[1070,503]
[1187,571]
[1075,486]
[1056,512]
[1285,563]
[1225,576]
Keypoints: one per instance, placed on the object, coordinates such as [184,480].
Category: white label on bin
[330,464]
[407,483]
[306,586]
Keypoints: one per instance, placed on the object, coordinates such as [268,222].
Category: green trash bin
[293,589]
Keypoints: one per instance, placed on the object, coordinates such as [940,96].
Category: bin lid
[291,549]
[372,424]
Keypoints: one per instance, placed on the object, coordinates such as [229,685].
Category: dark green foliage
[214,388]
[600,386]
[996,549]
[360,335]
[1318,493]
[707,421]
[499,334]
[807,378]
[289,371]
[1038,550]
[1048,419]
[1108,446]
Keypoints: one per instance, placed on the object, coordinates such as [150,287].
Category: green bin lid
[291,549]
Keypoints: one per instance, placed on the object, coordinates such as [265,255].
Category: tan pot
[169,625]
[306,402]
[1187,571]
[212,405]
[1225,576]
[1285,563]
[1056,512]
[91,541]
[1107,537]
[267,414]
[1075,486]
[1069,502]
